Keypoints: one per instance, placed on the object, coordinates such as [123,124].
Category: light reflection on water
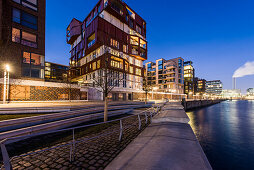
[226,133]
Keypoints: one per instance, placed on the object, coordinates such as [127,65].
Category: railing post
[121,130]
[73,142]
[139,122]
[71,153]
[6,158]
[146,117]
[151,116]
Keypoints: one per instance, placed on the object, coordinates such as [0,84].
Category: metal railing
[72,144]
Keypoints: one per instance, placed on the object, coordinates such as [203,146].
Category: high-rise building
[166,75]
[22,37]
[199,86]
[214,87]
[114,36]
[189,74]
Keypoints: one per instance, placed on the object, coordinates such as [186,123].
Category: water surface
[226,134]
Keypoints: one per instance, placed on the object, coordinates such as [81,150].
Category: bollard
[6,158]
[121,130]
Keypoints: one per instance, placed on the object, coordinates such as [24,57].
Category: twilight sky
[217,35]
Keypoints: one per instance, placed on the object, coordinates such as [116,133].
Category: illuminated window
[26,57]
[94,65]
[125,48]
[114,43]
[131,69]
[138,71]
[98,63]
[126,67]
[15,35]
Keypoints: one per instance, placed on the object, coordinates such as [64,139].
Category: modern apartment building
[189,74]
[112,36]
[22,37]
[214,87]
[166,75]
[56,72]
[250,91]
[199,86]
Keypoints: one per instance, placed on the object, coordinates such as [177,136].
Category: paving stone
[93,154]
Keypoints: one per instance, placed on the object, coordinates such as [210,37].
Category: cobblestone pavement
[93,154]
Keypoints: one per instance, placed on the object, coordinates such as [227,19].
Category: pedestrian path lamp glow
[6,83]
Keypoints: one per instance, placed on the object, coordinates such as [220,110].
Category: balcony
[73,31]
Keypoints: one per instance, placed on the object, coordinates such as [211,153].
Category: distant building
[22,37]
[214,87]
[199,86]
[56,72]
[231,94]
[189,74]
[166,75]
[250,91]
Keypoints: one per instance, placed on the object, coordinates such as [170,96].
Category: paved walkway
[168,143]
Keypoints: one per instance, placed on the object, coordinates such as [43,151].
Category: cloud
[245,70]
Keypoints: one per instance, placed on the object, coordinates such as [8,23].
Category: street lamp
[6,83]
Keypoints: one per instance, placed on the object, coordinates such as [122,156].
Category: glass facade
[33,65]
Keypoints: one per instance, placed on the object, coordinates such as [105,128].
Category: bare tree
[146,88]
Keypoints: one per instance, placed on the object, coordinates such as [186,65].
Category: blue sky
[217,35]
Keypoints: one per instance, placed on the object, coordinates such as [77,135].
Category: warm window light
[7,67]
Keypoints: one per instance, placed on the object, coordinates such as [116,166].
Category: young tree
[146,88]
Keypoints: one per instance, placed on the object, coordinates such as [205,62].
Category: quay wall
[194,104]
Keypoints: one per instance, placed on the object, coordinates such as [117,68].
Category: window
[26,58]
[29,39]
[24,19]
[116,62]
[28,20]
[91,40]
[138,71]
[98,63]
[33,65]
[114,43]
[126,67]
[16,15]
[138,29]
[15,35]
[125,48]
[131,69]
[36,59]
[32,4]
[94,65]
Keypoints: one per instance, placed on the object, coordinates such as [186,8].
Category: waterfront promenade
[168,143]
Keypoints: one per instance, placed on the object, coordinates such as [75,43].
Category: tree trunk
[146,99]
[106,109]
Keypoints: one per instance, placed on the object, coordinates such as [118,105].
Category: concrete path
[168,143]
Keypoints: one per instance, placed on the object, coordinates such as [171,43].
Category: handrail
[7,160]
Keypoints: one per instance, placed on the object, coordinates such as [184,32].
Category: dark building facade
[56,72]
[189,74]
[199,86]
[22,37]
[112,36]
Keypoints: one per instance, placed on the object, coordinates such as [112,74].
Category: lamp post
[6,83]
